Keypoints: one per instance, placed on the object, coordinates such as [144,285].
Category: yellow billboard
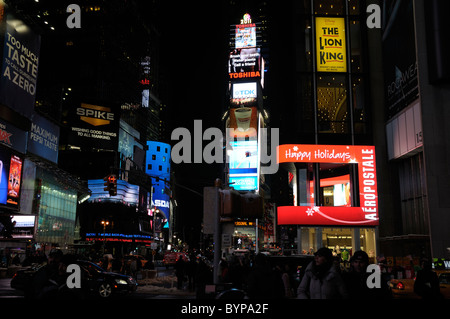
[331,45]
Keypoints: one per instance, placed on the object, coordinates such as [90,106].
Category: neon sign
[366,214]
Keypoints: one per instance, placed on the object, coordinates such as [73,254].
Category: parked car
[22,278]
[95,281]
[104,284]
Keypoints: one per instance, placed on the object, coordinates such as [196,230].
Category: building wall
[436,136]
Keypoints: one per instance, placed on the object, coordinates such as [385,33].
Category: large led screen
[245,36]
[126,193]
[10,178]
[244,63]
[362,156]
[243,165]
[244,92]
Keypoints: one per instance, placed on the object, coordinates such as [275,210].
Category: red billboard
[364,215]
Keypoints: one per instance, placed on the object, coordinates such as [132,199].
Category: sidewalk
[165,285]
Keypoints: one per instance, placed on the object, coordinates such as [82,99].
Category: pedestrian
[179,271]
[356,279]
[264,282]
[286,277]
[133,266]
[321,279]
[191,270]
[426,284]
[203,276]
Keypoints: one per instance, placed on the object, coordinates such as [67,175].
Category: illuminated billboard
[243,165]
[244,92]
[363,156]
[243,122]
[330,44]
[245,36]
[126,193]
[94,126]
[243,156]
[10,178]
[19,66]
[245,63]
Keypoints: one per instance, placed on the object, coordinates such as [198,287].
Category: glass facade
[332,106]
[57,211]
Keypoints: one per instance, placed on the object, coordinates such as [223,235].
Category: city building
[95,100]
[416,77]
[322,103]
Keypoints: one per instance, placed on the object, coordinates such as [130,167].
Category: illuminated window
[332,104]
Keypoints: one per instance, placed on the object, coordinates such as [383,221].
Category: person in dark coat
[321,279]
[356,280]
[180,271]
[427,282]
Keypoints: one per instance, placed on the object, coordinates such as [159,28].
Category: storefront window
[56,215]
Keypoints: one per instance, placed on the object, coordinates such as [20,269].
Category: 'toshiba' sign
[363,156]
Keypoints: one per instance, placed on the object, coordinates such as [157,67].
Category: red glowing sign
[364,156]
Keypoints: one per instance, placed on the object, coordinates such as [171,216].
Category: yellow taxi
[404,288]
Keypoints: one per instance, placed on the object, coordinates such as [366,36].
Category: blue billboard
[43,138]
[157,165]
[243,165]
[126,193]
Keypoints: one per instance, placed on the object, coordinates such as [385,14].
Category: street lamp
[104,223]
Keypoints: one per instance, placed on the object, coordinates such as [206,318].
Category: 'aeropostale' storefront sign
[331,45]
[363,156]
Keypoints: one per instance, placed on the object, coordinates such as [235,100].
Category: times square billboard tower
[246,81]
[250,220]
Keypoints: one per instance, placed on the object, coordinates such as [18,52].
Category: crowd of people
[323,278]
[258,277]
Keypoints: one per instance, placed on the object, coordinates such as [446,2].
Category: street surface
[162,287]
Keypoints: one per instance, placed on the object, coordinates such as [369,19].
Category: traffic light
[110,184]
[237,205]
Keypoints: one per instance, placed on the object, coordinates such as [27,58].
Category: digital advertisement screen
[245,36]
[245,63]
[244,92]
[10,179]
[243,165]
[362,156]
[126,193]
[243,123]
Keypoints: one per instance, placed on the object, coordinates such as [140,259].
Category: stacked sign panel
[244,68]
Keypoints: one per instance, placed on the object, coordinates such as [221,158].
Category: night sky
[194,53]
